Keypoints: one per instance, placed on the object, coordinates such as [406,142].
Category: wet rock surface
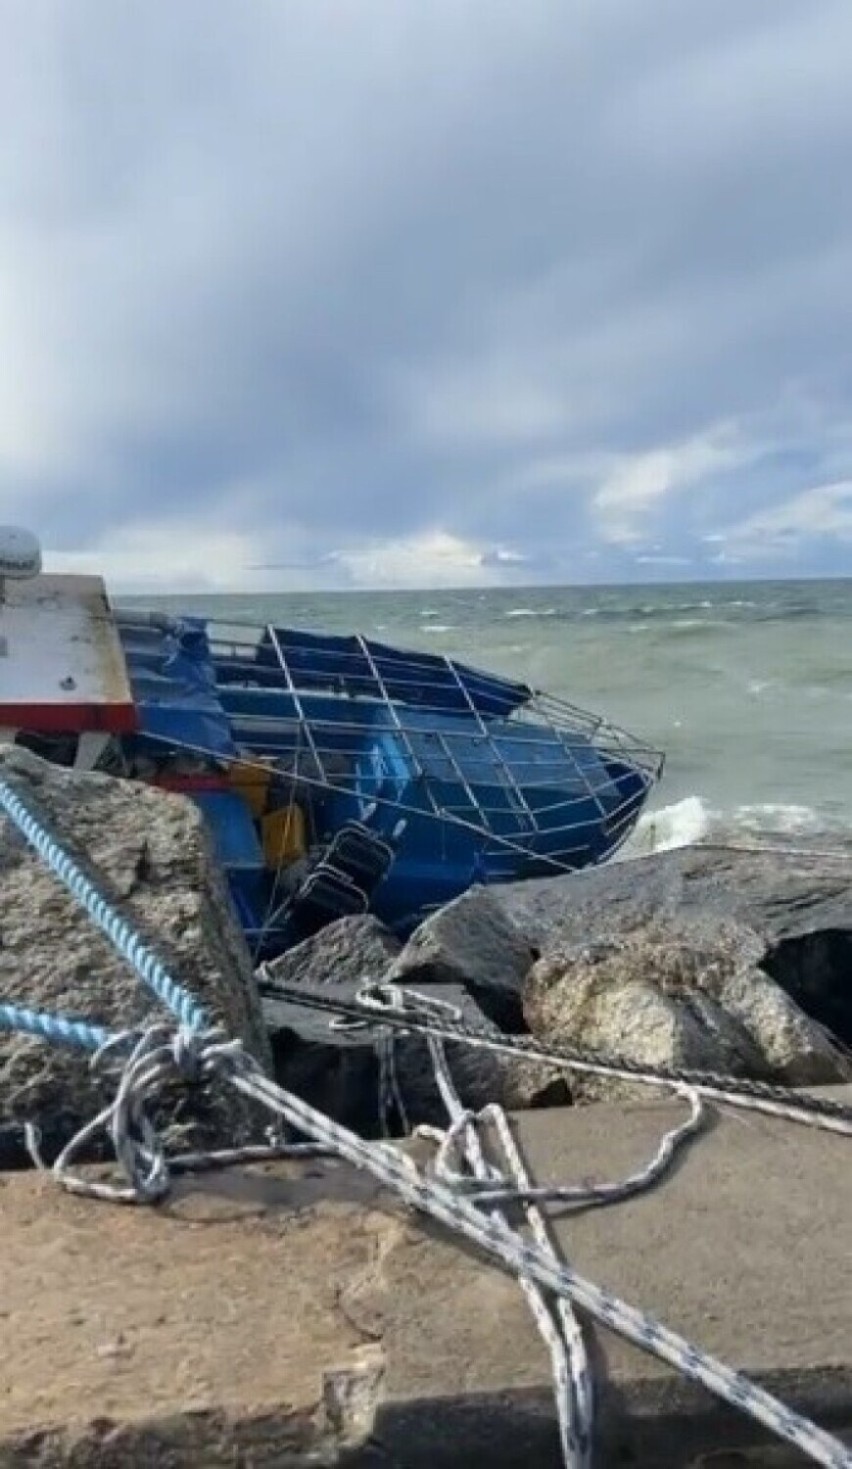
[726,962]
[149,853]
[462,954]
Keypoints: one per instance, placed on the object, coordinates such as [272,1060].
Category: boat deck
[62,667]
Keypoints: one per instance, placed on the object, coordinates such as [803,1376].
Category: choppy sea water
[747,687]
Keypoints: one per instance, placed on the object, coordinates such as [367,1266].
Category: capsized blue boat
[339,774]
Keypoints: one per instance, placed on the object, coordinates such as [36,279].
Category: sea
[746,687]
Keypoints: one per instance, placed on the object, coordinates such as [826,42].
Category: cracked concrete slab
[296,1315]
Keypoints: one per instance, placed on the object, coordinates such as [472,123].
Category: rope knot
[188,1048]
[388,995]
[147,1062]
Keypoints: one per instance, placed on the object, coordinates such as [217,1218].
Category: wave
[728,611]
[693,821]
[658,612]
[440,627]
[680,825]
[699,624]
[651,609]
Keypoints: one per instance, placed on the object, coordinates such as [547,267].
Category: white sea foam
[689,624]
[531,612]
[440,627]
[692,820]
[777,819]
[679,825]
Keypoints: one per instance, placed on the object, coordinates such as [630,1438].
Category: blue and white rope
[59,1028]
[497,1191]
[559,1327]
[159,1055]
[124,938]
[579,1366]
[154,1060]
[524,1260]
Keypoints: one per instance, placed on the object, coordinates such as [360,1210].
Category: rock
[150,854]
[680,994]
[359,949]
[337,1071]
[475,943]
[798,905]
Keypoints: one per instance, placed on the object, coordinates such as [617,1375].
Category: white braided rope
[376,998]
[556,1320]
[159,1056]
[430,1197]
[559,1327]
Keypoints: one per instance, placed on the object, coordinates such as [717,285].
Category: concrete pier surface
[294,1315]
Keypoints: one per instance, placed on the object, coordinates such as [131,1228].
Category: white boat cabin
[62,668]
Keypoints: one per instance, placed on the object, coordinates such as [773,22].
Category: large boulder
[337,1069]
[796,905]
[475,943]
[150,854]
[333,1069]
[678,993]
[359,949]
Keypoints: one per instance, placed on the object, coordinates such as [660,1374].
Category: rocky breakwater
[731,962]
[149,853]
[338,1069]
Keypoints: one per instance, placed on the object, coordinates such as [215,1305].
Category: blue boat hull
[436,774]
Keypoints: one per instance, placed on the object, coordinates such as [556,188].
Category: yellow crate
[252,783]
[284,836]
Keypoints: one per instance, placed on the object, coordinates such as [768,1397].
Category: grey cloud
[352,272]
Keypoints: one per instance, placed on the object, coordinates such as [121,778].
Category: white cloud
[638,482]
[824,511]
[431,559]
[159,558]
[659,559]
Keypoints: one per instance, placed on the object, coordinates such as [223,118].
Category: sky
[320,294]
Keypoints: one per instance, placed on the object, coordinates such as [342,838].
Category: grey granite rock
[797,905]
[473,942]
[680,994]
[337,1070]
[359,949]
[150,854]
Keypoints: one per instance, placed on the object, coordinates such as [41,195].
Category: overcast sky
[427,292]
